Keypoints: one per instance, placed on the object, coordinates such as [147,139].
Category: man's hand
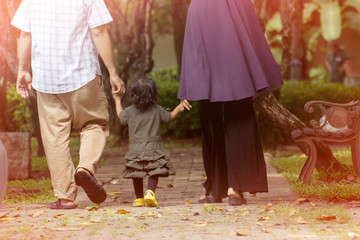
[23,85]
[117,84]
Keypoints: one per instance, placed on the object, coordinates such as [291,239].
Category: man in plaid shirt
[63,39]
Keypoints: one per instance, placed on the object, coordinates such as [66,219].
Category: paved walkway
[274,215]
[185,185]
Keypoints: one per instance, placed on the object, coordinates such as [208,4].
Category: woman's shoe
[209,199]
[236,198]
[139,202]
[150,199]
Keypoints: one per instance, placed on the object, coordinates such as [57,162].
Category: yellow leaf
[188,203]
[259,224]
[242,234]
[292,212]
[84,224]
[313,204]
[201,225]
[122,211]
[37,214]
[266,230]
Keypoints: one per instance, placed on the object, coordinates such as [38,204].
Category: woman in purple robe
[226,61]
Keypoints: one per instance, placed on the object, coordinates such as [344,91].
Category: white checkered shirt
[63,55]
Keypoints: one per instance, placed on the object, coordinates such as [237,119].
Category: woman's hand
[186,104]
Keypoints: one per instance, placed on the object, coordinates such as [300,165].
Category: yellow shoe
[150,199]
[139,202]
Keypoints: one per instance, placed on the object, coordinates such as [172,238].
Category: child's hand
[180,108]
[186,104]
[117,95]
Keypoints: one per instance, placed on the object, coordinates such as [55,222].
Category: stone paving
[185,185]
[272,215]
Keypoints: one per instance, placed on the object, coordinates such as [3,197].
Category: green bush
[294,95]
[187,123]
[17,110]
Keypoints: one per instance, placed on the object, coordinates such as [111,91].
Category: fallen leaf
[3,215]
[301,236]
[258,224]
[96,219]
[353,235]
[201,225]
[326,218]
[301,200]
[37,214]
[185,219]
[84,223]
[266,230]
[65,229]
[242,234]
[115,193]
[124,202]
[122,211]
[300,220]
[196,214]
[312,204]
[188,203]
[170,186]
[263,218]
[292,212]
[92,207]
[267,208]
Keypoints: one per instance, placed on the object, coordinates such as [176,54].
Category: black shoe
[237,201]
[210,199]
[92,188]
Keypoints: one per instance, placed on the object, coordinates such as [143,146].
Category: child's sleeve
[164,114]
[124,116]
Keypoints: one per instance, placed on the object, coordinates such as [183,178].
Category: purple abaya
[225,55]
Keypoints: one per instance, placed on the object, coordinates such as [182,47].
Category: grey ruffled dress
[147,155]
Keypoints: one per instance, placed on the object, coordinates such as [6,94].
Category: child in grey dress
[147,155]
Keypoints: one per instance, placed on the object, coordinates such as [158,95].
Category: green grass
[30,190]
[329,186]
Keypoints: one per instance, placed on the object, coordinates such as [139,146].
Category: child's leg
[149,197]
[153,182]
[138,187]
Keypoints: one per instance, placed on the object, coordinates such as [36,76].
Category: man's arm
[102,43]
[24,80]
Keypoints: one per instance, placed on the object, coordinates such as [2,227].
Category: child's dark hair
[143,93]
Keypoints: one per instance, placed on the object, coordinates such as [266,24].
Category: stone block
[3,172]
[18,147]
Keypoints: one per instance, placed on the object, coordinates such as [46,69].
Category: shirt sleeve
[124,116]
[164,114]
[98,14]
[22,17]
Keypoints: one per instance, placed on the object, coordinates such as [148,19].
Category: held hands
[186,104]
[23,85]
[118,86]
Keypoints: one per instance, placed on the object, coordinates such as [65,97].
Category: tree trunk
[133,43]
[179,11]
[31,103]
[269,107]
[8,57]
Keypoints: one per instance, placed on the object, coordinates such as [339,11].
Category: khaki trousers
[86,110]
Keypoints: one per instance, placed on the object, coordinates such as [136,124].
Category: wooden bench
[340,123]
